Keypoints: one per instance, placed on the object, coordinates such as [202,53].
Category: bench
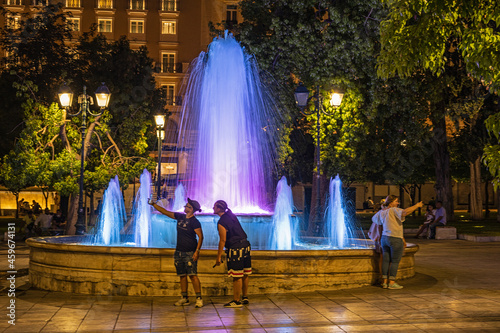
[446,232]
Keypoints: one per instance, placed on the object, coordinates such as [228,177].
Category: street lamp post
[302,99]
[102,95]
[160,133]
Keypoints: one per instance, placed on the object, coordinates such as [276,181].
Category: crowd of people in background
[38,222]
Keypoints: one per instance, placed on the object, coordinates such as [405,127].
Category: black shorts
[239,261]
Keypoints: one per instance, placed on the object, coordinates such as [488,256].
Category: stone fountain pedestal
[61,263]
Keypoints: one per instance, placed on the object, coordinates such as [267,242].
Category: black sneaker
[233,304]
[244,300]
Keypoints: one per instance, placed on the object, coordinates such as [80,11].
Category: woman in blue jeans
[391,218]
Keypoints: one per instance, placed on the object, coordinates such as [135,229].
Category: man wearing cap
[187,250]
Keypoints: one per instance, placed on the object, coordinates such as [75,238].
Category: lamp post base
[80,224]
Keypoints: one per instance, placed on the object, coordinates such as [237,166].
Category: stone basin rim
[70,243]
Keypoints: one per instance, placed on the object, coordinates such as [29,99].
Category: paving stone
[455,290]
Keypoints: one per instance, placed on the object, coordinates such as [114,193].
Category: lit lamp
[160,134]
[302,99]
[66,98]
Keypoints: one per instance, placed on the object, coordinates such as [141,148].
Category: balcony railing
[14,2]
[137,5]
[169,5]
[39,2]
[174,100]
[73,3]
[169,68]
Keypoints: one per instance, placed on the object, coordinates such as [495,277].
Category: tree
[329,43]
[117,141]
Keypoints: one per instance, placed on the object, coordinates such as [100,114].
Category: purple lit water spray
[230,127]
[112,216]
[230,123]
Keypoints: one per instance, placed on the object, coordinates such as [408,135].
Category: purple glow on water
[229,122]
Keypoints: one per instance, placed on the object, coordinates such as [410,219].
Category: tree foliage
[331,43]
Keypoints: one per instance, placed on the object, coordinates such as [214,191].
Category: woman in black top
[239,261]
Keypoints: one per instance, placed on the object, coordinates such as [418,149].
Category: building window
[136,26]
[168,62]
[14,2]
[168,27]
[73,23]
[169,92]
[9,59]
[137,4]
[40,2]
[169,5]
[231,15]
[105,4]
[105,25]
[73,3]
[12,21]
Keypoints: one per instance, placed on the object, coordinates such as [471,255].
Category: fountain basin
[62,263]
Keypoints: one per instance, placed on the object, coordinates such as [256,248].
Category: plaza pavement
[456,289]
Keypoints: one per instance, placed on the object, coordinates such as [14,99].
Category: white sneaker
[183,301]
[199,303]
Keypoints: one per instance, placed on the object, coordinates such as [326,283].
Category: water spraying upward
[179,198]
[228,138]
[341,230]
[112,216]
[230,122]
[335,217]
[142,211]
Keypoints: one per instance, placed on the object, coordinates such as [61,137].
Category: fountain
[230,124]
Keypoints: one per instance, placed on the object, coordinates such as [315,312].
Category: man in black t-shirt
[187,250]
[239,261]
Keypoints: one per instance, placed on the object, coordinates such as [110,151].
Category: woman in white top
[391,218]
